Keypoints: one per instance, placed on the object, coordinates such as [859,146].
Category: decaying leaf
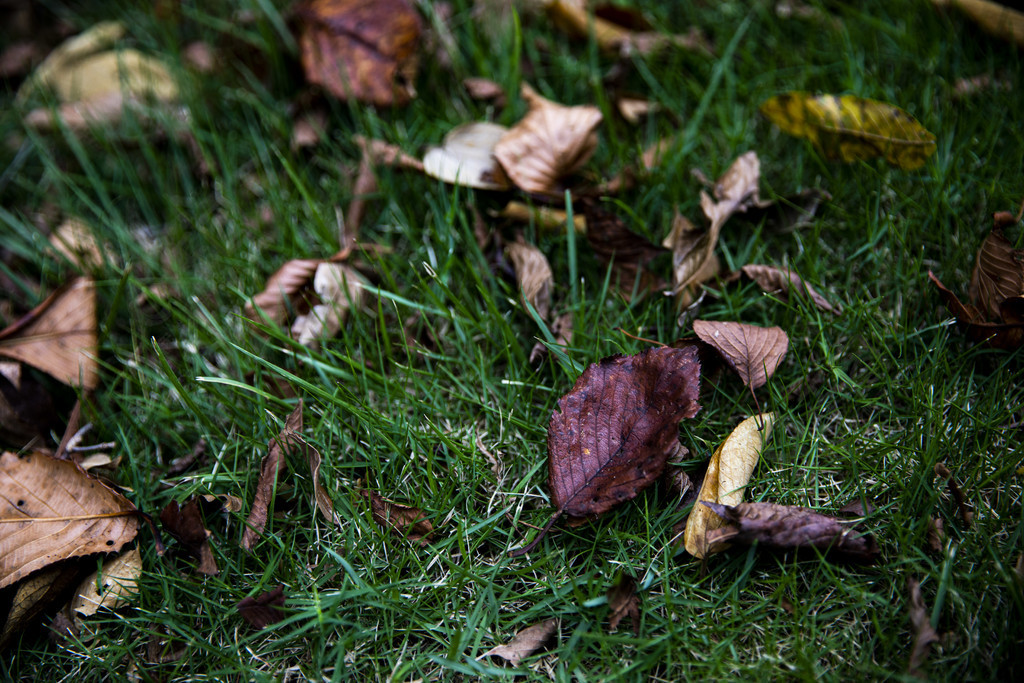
[726,479]
[403,520]
[1007,336]
[789,527]
[185,523]
[59,336]
[784,280]
[534,275]
[111,587]
[35,594]
[623,601]
[26,408]
[525,643]
[340,288]
[282,295]
[753,352]
[693,258]
[962,506]
[628,253]
[467,157]
[616,30]
[924,634]
[264,609]
[998,274]
[273,465]
[76,242]
[612,433]
[998,19]
[365,50]
[50,510]
[850,128]
[549,143]
[323,499]
[735,192]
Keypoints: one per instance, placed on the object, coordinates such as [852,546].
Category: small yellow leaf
[850,128]
[727,476]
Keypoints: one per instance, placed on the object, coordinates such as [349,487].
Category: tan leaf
[573,17]
[403,520]
[545,218]
[635,109]
[323,498]
[693,258]
[735,191]
[467,157]
[340,287]
[76,242]
[727,476]
[282,293]
[998,273]
[549,143]
[271,468]
[924,634]
[35,594]
[111,587]
[59,336]
[772,279]
[753,352]
[50,510]
[623,601]
[525,643]
[995,18]
[534,275]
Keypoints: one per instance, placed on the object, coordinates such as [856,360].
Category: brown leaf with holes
[628,253]
[403,520]
[525,643]
[789,527]
[549,143]
[365,50]
[534,275]
[51,510]
[59,336]
[924,634]
[264,609]
[784,280]
[998,274]
[624,602]
[612,433]
[273,465]
[753,352]
[185,523]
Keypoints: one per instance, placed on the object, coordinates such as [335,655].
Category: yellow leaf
[851,128]
[727,476]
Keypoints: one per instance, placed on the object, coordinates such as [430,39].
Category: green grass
[431,380]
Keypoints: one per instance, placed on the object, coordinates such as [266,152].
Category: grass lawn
[427,395]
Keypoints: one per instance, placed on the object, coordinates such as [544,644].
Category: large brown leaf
[612,434]
[51,510]
[753,352]
[998,273]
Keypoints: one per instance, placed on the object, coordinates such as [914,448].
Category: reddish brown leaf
[753,352]
[485,89]
[924,634]
[628,252]
[525,643]
[772,279]
[788,527]
[1007,336]
[998,274]
[323,498]
[289,439]
[360,49]
[612,434]
[403,520]
[264,609]
[624,601]
[186,524]
[283,293]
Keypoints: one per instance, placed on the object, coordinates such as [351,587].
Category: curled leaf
[403,520]
[467,157]
[998,274]
[693,258]
[525,643]
[753,352]
[772,279]
[282,294]
[534,275]
[1008,335]
[273,465]
[340,288]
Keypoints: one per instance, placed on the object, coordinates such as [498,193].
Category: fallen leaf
[998,274]
[340,288]
[364,50]
[726,479]
[111,586]
[615,29]
[924,634]
[613,432]
[382,153]
[623,601]
[525,643]
[936,535]
[545,218]
[753,352]
[309,129]
[35,594]
[75,240]
[561,330]
[59,336]
[213,502]
[693,259]
[635,109]
[185,523]
[1008,336]
[486,90]
[850,128]
[549,143]
[784,280]
[27,412]
[263,610]
[403,520]
[271,468]
[995,18]
[627,252]
[534,275]
[282,295]
[467,157]
[962,506]
[50,510]
[320,494]
[789,527]
[737,189]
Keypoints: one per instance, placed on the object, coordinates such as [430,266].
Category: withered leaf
[36,594]
[525,643]
[998,274]
[772,279]
[962,506]
[467,157]
[185,523]
[1008,336]
[264,609]
[612,433]
[623,601]
[549,143]
[629,253]
[753,352]
[282,294]
[273,465]
[924,634]
[364,50]
[693,258]
[111,587]
[403,520]
[26,408]
[340,288]
[323,498]
[534,275]
[790,527]
[51,510]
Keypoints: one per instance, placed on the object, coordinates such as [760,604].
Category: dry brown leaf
[466,157]
[111,587]
[525,643]
[561,330]
[323,499]
[1009,335]
[382,153]
[693,258]
[273,465]
[726,479]
[998,274]
[282,295]
[628,253]
[997,19]
[364,50]
[35,594]
[534,275]
[549,143]
[618,31]
[76,242]
[924,634]
[753,352]
[736,191]
[263,610]
[340,288]
[185,523]
[623,601]
[402,520]
[772,279]
[50,510]
[59,336]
